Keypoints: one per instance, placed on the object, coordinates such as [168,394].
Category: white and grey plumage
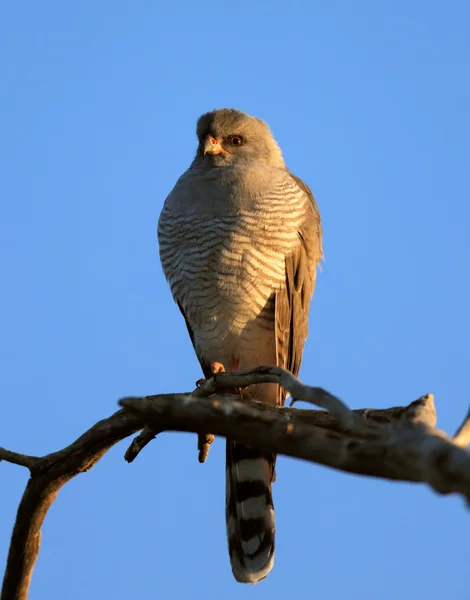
[240,239]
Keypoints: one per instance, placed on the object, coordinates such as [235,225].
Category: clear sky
[370,104]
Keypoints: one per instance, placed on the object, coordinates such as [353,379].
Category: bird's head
[230,137]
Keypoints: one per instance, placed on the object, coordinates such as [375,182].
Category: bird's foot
[204,440]
[216,367]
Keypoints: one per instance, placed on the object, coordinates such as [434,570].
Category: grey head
[230,137]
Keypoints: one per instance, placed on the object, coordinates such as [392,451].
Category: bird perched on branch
[240,239]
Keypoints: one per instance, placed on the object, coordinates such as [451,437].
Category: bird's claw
[216,367]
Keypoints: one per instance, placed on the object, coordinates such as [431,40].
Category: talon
[216,367]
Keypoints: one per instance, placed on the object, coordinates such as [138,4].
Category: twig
[148,434]
[18,459]
[139,443]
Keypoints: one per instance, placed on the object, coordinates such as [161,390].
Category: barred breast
[223,250]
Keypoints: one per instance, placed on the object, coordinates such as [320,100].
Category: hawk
[240,239]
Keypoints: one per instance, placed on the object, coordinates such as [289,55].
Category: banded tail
[249,512]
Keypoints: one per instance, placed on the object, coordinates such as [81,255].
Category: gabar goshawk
[240,240]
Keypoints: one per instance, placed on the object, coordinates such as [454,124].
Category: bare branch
[400,451]
[139,443]
[48,475]
[148,434]
[18,459]
[399,443]
[421,412]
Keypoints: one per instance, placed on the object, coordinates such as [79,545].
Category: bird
[240,240]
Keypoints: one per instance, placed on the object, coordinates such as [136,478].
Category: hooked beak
[213,146]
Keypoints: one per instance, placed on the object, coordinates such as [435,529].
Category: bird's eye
[236,140]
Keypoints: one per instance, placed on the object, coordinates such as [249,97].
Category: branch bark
[392,444]
[48,474]
[399,443]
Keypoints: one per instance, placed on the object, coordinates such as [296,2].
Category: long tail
[249,512]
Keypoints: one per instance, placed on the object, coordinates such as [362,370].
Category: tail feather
[249,512]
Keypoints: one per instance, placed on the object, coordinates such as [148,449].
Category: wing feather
[293,299]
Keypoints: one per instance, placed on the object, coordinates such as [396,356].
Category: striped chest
[229,263]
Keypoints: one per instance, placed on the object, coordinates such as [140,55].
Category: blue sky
[369,102]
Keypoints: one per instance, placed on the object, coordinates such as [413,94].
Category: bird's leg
[204,440]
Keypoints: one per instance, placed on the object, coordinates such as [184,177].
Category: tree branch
[18,459]
[48,475]
[402,451]
[399,443]
[138,443]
